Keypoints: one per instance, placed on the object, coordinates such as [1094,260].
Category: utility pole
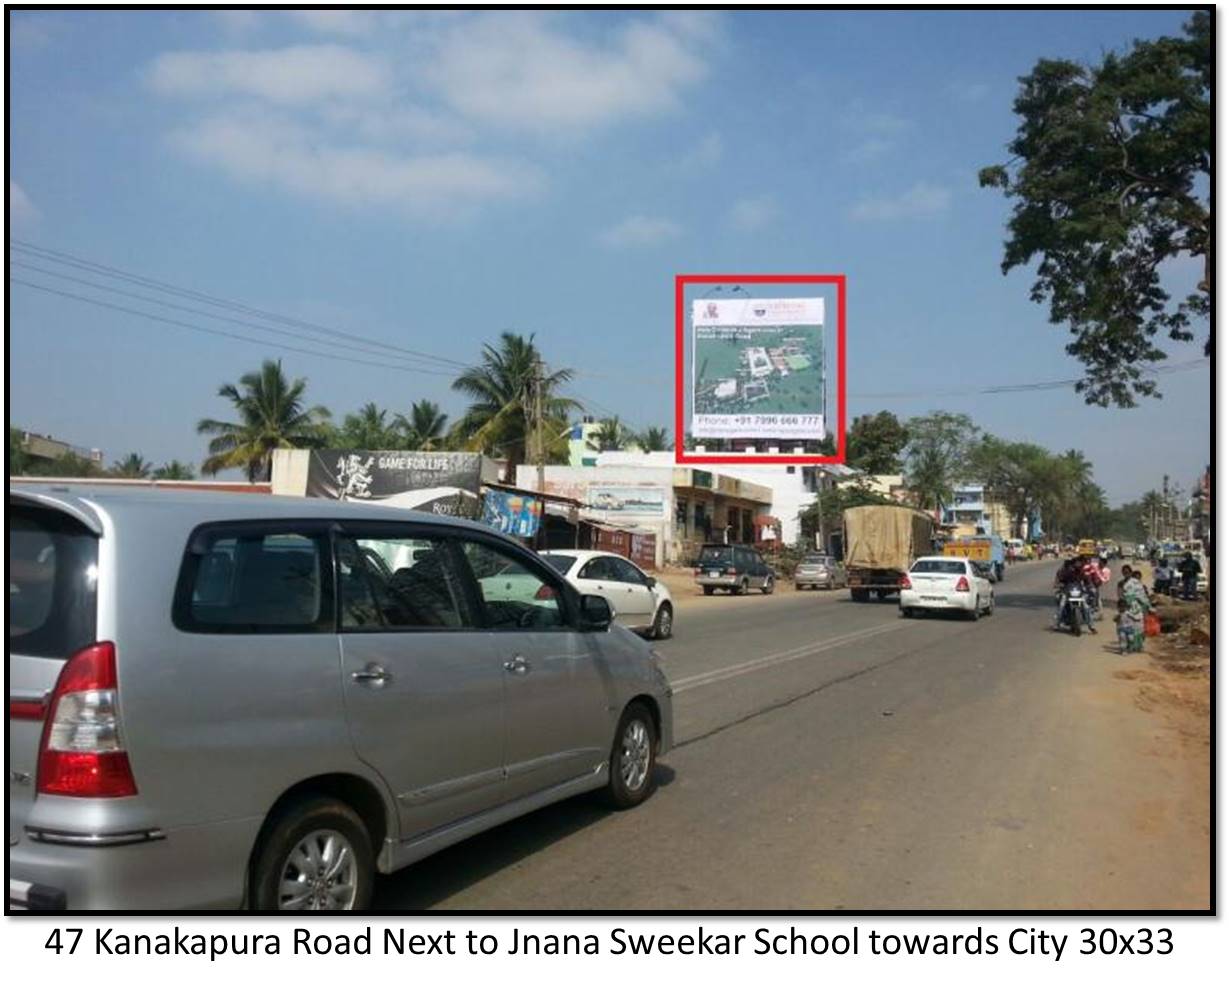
[540,447]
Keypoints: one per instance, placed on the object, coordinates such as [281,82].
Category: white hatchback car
[639,601]
[946,583]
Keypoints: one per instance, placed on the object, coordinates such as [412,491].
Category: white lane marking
[777,659]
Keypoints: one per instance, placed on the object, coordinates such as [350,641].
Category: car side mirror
[650,581]
[595,613]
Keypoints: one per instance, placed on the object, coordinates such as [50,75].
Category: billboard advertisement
[440,483]
[514,514]
[757,368]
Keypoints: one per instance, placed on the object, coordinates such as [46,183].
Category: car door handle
[372,673]
[517,665]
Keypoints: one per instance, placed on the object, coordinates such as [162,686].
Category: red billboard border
[681,456]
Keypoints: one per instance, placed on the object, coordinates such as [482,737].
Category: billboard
[440,483]
[514,514]
[757,368]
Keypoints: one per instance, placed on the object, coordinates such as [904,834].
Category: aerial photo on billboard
[758,368]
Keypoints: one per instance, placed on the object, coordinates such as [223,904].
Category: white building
[793,487]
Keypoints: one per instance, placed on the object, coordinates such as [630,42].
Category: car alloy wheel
[320,873]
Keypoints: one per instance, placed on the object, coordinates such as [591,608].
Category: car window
[938,566]
[245,579]
[513,595]
[559,561]
[597,569]
[53,575]
[624,571]
[391,582]
[715,554]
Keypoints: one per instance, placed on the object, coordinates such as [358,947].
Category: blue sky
[431,179]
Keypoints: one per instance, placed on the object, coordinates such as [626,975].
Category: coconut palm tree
[272,416]
[369,429]
[425,427]
[133,465]
[610,435]
[175,471]
[654,438]
[501,418]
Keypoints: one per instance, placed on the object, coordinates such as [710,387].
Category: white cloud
[21,209]
[261,148]
[754,212]
[921,199]
[517,71]
[640,231]
[298,75]
[352,23]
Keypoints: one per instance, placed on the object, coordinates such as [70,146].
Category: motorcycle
[1071,611]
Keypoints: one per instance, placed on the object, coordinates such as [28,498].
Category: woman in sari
[1131,590]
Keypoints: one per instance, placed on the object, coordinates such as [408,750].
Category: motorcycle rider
[1074,571]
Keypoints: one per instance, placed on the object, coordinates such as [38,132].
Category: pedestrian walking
[1190,570]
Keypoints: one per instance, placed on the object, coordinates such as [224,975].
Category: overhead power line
[224,333]
[48,255]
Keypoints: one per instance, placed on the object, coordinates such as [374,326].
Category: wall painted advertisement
[619,500]
[440,483]
[758,368]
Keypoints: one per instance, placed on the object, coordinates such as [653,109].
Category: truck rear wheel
[859,594]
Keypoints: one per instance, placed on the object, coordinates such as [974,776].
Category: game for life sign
[440,483]
[757,368]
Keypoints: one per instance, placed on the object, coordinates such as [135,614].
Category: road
[831,755]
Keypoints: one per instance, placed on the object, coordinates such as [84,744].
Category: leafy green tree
[501,419]
[875,442]
[653,438]
[425,427]
[133,465]
[19,459]
[937,455]
[1110,176]
[272,415]
[69,465]
[175,471]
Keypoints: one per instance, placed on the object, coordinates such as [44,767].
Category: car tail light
[905,583]
[545,593]
[731,571]
[962,584]
[82,752]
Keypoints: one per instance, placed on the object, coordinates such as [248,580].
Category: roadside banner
[515,514]
[440,483]
[757,368]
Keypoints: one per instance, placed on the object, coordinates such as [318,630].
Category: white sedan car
[638,600]
[946,583]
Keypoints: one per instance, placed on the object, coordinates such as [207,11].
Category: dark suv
[735,568]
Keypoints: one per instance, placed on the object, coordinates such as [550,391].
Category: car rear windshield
[938,566]
[715,554]
[813,560]
[559,562]
[53,578]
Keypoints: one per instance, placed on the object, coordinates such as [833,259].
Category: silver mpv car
[219,701]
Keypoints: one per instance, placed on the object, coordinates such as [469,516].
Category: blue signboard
[515,514]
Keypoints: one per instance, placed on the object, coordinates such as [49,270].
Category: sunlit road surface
[832,755]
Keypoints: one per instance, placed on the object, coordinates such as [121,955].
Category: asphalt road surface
[832,755]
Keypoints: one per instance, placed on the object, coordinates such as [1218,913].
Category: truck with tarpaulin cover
[881,542]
